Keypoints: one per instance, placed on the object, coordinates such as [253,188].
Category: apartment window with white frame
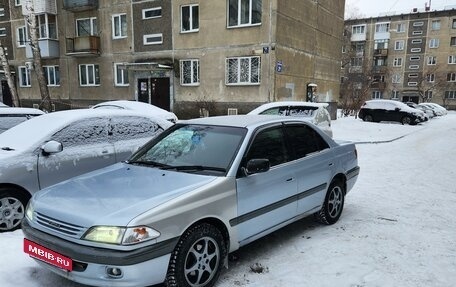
[452,59]
[434,43]
[119,26]
[396,79]
[418,24]
[152,13]
[412,84]
[189,70]
[382,27]
[415,50]
[397,62]
[356,61]
[153,39]
[243,71]
[428,94]
[413,75]
[417,33]
[381,44]
[450,95]
[431,60]
[244,13]
[451,77]
[453,25]
[120,76]
[21,36]
[376,95]
[453,41]
[358,29]
[2,12]
[190,18]
[2,32]
[18,3]
[400,28]
[89,75]
[24,77]
[430,77]
[52,75]
[395,95]
[435,25]
[415,58]
[86,27]
[414,67]
[47,24]
[399,45]
[417,41]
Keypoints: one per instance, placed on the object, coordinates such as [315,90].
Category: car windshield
[193,148]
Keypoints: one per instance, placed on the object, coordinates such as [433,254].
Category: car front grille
[59,226]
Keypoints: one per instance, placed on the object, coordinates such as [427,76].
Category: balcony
[358,37]
[380,52]
[83,46]
[379,69]
[39,7]
[49,49]
[378,85]
[80,5]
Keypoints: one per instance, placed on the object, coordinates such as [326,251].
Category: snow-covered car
[56,146]
[391,111]
[138,106]
[315,113]
[200,190]
[436,108]
[426,110]
[9,117]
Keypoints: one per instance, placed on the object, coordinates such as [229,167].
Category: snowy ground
[398,227]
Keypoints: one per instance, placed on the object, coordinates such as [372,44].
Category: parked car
[9,117]
[177,207]
[56,146]
[436,108]
[426,110]
[138,106]
[389,110]
[316,113]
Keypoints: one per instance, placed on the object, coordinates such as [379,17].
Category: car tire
[333,205]
[406,120]
[198,258]
[368,118]
[12,208]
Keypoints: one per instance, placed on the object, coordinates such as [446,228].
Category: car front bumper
[140,267]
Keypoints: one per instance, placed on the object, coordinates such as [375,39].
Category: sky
[397,227]
[374,8]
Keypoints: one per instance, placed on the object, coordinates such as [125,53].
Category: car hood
[114,195]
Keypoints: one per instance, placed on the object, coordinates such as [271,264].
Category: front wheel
[12,209]
[197,259]
[368,118]
[406,120]
[333,205]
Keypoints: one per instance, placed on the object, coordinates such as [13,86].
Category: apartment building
[410,57]
[188,56]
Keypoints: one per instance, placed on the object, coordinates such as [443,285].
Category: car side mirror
[257,165]
[52,147]
[397,109]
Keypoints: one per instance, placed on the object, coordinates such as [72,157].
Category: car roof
[134,105]
[20,111]
[242,121]
[266,106]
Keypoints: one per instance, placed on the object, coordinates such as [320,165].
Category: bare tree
[9,78]
[32,25]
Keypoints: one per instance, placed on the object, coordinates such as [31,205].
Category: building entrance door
[6,98]
[154,91]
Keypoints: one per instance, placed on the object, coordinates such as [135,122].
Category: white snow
[398,227]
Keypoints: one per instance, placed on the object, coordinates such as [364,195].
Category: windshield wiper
[147,163]
[7,148]
[193,167]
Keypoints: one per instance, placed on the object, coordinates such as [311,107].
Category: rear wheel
[12,208]
[198,257]
[333,205]
[406,120]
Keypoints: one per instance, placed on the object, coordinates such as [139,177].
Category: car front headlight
[30,211]
[120,235]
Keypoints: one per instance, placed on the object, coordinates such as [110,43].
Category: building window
[376,95]
[21,36]
[431,60]
[418,24]
[89,75]
[428,94]
[451,77]
[244,12]
[452,59]
[243,71]
[120,75]
[2,12]
[434,43]
[417,33]
[450,95]
[152,13]
[189,72]
[396,79]
[415,58]
[454,24]
[415,50]
[453,41]
[417,41]
[358,29]
[412,84]
[356,62]
[24,77]
[2,32]
[18,2]
[395,95]
[414,67]
[430,78]
[399,45]
[52,75]
[119,26]
[435,25]
[397,62]
[413,75]
[153,39]
[381,44]
[190,18]
[86,27]
[400,28]
[47,24]
[382,27]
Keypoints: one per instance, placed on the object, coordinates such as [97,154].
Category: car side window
[130,127]
[304,140]
[302,111]
[83,132]
[278,111]
[269,144]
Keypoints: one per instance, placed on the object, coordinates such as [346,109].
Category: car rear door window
[304,140]
[83,132]
[269,144]
[131,127]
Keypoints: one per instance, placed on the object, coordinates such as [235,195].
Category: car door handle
[104,152]
[331,164]
[290,179]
